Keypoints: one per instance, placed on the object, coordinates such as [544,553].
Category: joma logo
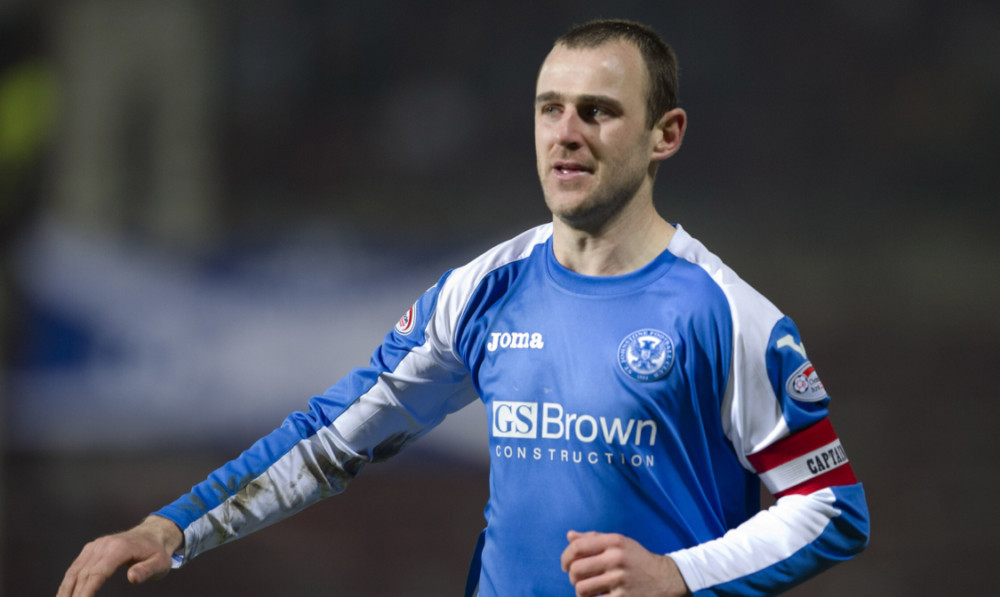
[514,340]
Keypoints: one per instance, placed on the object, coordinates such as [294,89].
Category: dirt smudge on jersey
[391,446]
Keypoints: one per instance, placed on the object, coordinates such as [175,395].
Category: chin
[583,219]
[568,202]
[570,213]
[587,213]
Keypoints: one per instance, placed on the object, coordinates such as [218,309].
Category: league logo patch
[805,385]
[646,355]
[405,324]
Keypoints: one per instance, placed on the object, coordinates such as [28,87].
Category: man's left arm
[819,519]
[776,416]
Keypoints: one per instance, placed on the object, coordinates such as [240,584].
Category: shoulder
[461,282]
[485,278]
[751,311]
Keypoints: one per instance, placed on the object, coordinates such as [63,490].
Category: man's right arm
[146,549]
[414,379]
[412,382]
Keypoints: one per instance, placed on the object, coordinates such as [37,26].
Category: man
[637,391]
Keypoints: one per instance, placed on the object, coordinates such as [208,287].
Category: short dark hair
[661,62]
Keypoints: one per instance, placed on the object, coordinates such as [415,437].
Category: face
[592,145]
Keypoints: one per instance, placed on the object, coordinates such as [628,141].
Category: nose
[569,131]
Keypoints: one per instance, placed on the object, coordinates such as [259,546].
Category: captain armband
[804,462]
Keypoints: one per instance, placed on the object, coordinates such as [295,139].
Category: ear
[668,134]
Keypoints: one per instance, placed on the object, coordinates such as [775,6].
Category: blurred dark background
[212,210]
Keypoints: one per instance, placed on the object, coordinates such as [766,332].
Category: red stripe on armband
[804,462]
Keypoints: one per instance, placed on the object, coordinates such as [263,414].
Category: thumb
[146,570]
[137,574]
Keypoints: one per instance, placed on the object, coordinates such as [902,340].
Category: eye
[595,113]
[551,110]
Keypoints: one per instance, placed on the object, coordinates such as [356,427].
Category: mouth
[568,169]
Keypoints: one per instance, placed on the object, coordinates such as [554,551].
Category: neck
[623,245]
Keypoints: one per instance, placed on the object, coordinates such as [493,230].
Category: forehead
[615,69]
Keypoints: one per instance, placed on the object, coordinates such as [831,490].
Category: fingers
[90,570]
[587,545]
[613,564]
[593,562]
[99,559]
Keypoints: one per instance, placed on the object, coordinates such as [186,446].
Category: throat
[610,255]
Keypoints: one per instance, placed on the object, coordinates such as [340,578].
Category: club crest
[646,355]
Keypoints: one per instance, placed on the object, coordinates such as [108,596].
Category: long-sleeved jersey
[650,404]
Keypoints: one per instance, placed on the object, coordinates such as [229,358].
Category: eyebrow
[555,96]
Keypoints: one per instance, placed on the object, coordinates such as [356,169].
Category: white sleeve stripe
[324,463]
[805,467]
[769,537]
[287,486]
[751,412]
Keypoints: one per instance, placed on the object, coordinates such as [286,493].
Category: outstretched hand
[146,549]
[612,564]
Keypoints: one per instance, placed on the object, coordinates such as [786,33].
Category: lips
[569,169]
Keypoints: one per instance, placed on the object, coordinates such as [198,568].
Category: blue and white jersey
[650,404]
